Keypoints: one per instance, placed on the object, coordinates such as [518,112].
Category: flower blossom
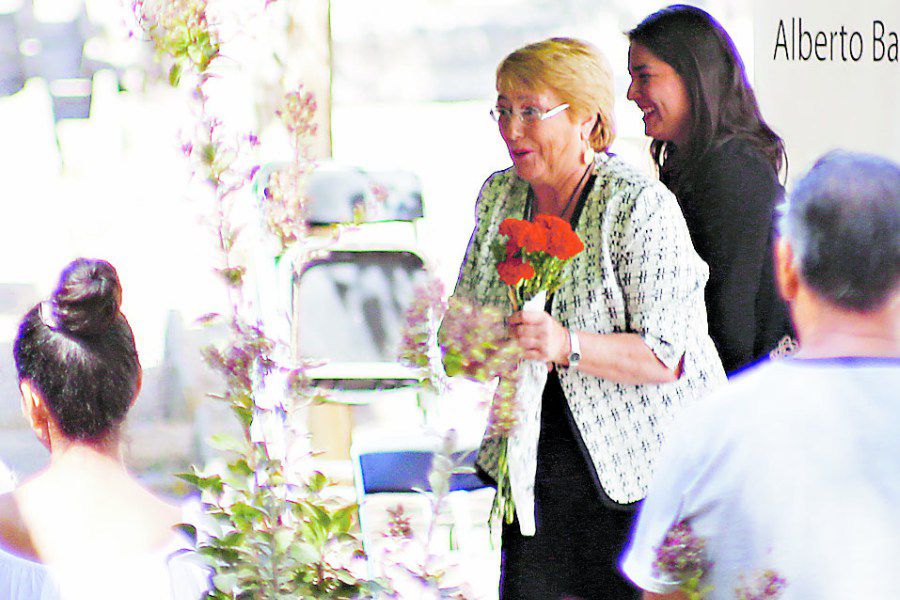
[562,242]
[515,270]
[419,332]
[768,585]
[399,523]
[682,553]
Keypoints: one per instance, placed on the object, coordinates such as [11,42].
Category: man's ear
[786,272]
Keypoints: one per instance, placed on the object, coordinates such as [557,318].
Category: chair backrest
[339,193]
[406,471]
[349,309]
[389,464]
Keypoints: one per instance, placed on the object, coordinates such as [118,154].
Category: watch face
[575,357]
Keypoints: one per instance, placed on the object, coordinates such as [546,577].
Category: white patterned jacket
[638,273]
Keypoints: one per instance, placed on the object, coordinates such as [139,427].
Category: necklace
[575,191]
[529,205]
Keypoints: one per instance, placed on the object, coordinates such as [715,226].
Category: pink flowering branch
[682,557]
[278,538]
[767,585]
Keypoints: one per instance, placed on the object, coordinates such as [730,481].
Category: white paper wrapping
[523,442]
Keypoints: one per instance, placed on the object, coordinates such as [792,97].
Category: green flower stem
[503,505]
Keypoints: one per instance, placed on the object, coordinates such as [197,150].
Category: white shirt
[794,466]
[7,479]
[167,574]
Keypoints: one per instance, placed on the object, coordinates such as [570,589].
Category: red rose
[523,234]
[514,270]
[562,242]
[534,238]
[514,229]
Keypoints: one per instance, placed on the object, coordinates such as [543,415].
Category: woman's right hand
[540,335]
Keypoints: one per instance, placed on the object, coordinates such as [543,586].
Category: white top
[168,574]
[793,466]
[7,479]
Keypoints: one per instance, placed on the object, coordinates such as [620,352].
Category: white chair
[392,469]
[349,309]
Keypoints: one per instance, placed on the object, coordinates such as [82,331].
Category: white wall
[829,100]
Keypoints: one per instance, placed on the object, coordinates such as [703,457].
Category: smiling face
[660,93]
[545,152]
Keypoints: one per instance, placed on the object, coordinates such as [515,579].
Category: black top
[730,213]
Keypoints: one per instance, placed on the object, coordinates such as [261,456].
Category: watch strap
[574,349]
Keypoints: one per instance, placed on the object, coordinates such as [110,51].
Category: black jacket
[729,207]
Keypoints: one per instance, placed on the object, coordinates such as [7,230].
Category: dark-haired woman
[83,527]
[721,160]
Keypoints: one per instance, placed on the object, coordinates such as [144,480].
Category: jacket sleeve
[661,275]
[473,269]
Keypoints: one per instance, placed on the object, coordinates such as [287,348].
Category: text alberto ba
[796,40]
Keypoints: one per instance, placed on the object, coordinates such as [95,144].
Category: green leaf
[225,582]
[244,516]
[453,363]
[208,54]
[233,276]
[195,54]
[226,443]
[346,577]
[283,539]
[243,414]
[209,154]
[317,482]
[213,483]
[235,538]
[313,533]
[316,514]
[175,74]
[304,552]
[188,530]
[342,520]
[221,555]
[180,36]
[240,467]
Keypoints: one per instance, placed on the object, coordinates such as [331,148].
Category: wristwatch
[574,350]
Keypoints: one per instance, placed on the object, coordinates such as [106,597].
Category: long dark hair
[723,105]
[78,350]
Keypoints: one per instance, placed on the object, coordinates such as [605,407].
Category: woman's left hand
[540,335]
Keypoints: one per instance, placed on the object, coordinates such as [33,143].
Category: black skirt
[580,533]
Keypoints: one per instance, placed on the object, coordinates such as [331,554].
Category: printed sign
[827,75]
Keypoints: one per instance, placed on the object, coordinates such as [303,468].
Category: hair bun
[88,297]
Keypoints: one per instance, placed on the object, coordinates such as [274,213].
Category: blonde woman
[626,332]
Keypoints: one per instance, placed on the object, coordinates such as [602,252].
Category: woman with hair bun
[84,527]
[718,156]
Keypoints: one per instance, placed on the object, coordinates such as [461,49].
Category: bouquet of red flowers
[530,260]
[534,253]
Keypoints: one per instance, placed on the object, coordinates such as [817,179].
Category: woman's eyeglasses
[529,115]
